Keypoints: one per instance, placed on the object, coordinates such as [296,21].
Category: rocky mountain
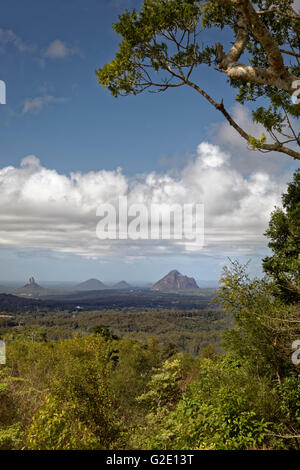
[31,289]
[122,285]
[91,284]
[174,281]
[32,284]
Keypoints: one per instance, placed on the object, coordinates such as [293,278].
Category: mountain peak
[91,284]
[122,285]
[174,280]
[31,283]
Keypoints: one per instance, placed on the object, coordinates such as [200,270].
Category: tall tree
[165,43]
[284,235]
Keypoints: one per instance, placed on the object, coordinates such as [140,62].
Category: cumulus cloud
[43,209]
[35,105]
[58,49]
[245,159]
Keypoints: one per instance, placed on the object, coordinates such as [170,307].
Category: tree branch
[284,51]
[276,74]
[293,16]
[276,147]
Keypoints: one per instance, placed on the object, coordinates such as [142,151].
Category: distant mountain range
[95,284]
[91,284]
[175,281]
[122,285]
[32,289]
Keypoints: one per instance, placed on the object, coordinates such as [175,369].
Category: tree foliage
[102,391]
[265,327]
[284,235]
[165,45]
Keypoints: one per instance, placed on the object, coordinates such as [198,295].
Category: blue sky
[57,112]
[91,129]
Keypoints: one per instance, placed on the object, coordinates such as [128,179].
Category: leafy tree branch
[165,43]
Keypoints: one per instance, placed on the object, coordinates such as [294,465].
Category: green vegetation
[190,331]
[284,234]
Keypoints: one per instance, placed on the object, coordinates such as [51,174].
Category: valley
[186,318]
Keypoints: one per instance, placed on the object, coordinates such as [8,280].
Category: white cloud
[245,159]
[42,209]
[8,37]
[241,114]
[211,155]
[35,105]
[58,49]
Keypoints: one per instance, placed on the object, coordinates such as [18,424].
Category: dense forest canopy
[165,44]
[284,239]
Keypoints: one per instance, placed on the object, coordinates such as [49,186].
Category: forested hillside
[101,391]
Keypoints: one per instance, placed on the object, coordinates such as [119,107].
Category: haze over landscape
[173,281]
